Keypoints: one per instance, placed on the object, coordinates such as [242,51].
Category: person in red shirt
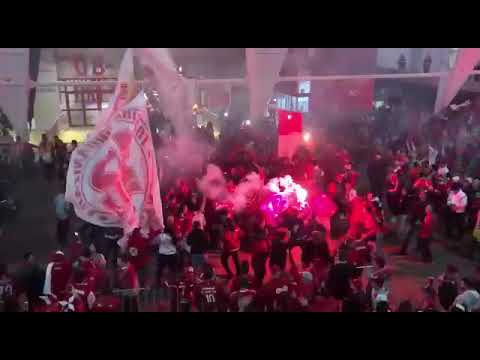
[99,262]
[184,221]
[183,291]
[81,290]
[425,235]
[350,176]
[183,226]
[231,247]
[75,249]
[57,275]
[415,172]
[423,184]
[260,252]
[140,255]
[127,280]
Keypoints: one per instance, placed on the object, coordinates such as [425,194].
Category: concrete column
[263,70]
[46,110]
[14,66]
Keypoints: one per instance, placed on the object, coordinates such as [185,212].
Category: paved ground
[34,230]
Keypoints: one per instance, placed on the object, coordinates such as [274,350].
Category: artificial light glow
[306,137]
[180,69]
[275,100]
[289,117]
[105,105]
[284,193]
[248,122]
[225,114]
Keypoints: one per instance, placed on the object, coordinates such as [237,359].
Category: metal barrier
[143,299]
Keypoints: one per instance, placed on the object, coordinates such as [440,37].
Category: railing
[84,94]
[143,299]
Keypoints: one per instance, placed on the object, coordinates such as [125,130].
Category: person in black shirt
[279,249]
[358,300]
[377,173]
[31,278]
[416,214]
[315,247]
[198,241]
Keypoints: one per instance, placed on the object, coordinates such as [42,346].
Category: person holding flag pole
[112,178]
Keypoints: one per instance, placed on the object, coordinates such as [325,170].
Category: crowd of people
[304,261]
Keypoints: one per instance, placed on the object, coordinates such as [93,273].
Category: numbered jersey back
[208,296]
[241,300]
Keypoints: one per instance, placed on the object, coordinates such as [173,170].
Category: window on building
[203,97]
[303,104]
[452,56]
[82,104]
[304,87]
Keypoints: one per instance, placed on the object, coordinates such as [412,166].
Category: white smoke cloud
[246,189]
[214,186]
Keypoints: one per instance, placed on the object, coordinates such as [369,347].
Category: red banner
[290,127]
[289,122]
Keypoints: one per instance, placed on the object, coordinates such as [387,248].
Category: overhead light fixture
[307,136]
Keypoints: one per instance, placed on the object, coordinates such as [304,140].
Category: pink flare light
[284,193]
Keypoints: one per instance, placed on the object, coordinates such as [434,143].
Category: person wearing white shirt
[62,212]
[457,202]
[167,251]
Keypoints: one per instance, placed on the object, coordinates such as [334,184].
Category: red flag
[290,127]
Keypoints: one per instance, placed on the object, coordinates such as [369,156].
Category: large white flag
[112,178]
[176,96]
[175,92]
